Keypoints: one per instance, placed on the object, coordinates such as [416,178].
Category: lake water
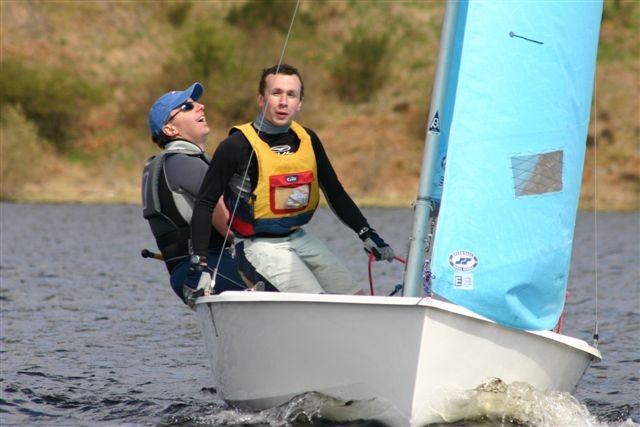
[91,333]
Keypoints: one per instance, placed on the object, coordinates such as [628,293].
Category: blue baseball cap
[160,110]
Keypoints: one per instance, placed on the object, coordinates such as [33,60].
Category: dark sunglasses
[187,106]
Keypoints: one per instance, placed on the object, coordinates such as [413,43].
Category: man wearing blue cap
[170,183]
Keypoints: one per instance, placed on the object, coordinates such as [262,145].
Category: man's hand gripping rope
[373,244]
[197,284]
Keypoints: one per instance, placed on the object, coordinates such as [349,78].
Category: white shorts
[295,263]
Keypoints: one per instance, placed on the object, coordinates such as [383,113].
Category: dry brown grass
[376,147]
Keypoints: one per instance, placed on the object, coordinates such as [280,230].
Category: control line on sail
[512,34]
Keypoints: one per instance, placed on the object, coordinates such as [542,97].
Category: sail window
[537,173]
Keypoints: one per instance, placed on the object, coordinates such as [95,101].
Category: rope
[246,171]
[370,260]
[596,335]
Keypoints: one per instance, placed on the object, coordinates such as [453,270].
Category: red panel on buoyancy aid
[242,227]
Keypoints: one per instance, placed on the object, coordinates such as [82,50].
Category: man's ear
[169,130]
[299,106]
[260,100]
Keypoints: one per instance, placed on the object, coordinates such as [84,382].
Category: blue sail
[517,126]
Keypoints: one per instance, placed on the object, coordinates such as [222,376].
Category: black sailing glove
[375,245]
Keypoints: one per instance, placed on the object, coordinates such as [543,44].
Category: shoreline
[362,202]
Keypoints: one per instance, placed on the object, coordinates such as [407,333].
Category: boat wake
[304,410]
[493,403]
[498,403]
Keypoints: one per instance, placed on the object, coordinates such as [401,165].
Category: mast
[425,209]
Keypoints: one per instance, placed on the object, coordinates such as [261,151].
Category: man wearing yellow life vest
[270,172]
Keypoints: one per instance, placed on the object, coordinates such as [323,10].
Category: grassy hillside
[77,80]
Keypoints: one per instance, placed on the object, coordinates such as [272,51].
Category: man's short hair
[285,69]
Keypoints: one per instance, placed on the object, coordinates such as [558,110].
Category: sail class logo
[434,127]
[463,261]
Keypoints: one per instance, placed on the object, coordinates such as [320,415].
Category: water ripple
[92,335]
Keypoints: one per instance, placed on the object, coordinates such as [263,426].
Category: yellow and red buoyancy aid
[287,192]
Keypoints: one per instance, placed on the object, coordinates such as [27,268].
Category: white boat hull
[396,360]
